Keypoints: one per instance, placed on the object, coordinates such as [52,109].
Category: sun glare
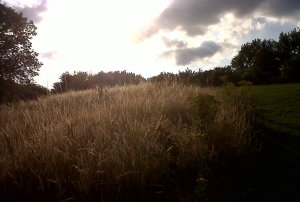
[95,25]
[97,34]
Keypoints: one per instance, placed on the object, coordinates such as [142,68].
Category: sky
[148,36]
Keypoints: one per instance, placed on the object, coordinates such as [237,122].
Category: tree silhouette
[18,61]
[289,49]
[82,80]
[258,61]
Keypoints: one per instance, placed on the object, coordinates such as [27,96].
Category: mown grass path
[279,107]
[278,120]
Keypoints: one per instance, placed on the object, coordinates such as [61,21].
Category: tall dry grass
[232,132]
[105,145]
[123,143]
[232,145]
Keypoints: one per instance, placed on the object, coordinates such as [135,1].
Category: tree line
[259,62]
[82,80]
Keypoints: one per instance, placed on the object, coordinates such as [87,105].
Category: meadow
[277,120]
[279,107]
[129,143]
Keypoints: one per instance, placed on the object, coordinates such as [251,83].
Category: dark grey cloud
[185,56]
[278,8]
[194,16]
[33,13]
[174,43]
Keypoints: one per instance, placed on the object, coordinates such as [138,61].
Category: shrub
[204,108]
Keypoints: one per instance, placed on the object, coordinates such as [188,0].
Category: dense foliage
[11,91]
[18,61]
[289,50]
[258,61]
[83,80]
[213,77]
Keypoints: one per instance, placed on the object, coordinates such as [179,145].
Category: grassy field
[278,107]
[278,122]
[132,143]
[153,142]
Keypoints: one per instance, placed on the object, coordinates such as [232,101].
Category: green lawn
[278,107]
[278,117]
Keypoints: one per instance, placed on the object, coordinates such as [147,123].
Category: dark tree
[83,80]
[289,49]
[18,61]
[164,77]
[258,61]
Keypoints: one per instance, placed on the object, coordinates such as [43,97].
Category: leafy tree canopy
[289,50]
[18,61]
[258,61]
[83,80]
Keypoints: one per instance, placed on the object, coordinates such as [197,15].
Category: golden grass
[120,143]
[104,144]
[232,135]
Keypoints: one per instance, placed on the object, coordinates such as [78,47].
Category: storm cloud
[33,12]
[185,56]
[194,16]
